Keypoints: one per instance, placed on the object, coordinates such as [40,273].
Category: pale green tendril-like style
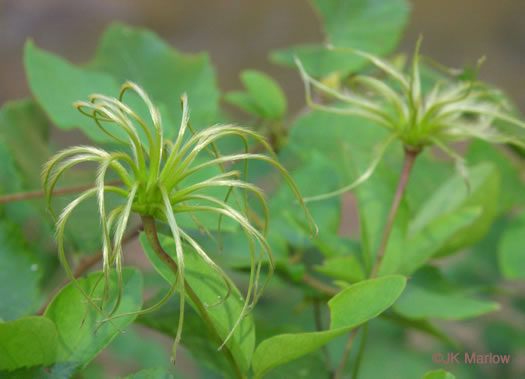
[152,177]
[452,110]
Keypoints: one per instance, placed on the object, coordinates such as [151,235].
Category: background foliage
[461,250]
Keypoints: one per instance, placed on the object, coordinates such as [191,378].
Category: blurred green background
[239,35]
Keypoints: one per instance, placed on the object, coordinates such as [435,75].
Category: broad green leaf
[196,336]
[337,137]
[124,53]
[263,98]
[139,55]
[511,254]
[344,268]
[420,248]
[56,84]
[21,273]
[23,129]
[479,267]
[77,341]
[346,23]
[428,295]
[350,145]
[438,374]
[350,308]
[23,151]
[454,195]
[364,300]
[266,94]
[26,342]
[244,101]
[512,195]
[287,216]
[210,287]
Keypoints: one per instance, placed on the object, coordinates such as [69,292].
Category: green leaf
[479,267]
[244,101]
[287,215]
[264,98]
[420,248]
[266,93]
[139,55]
[350,308]
[428,295]
[454,195]
[438,374]
[511,255]
[344,268]
[26,342]
[21,273]
[196,336]
[124,53]
[512,196]
[56,84]
[209,287]
[347,23]
[77,341]
[23,129]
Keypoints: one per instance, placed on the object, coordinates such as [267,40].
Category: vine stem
[150,230]
[58,192]
[346,353]
[408,163]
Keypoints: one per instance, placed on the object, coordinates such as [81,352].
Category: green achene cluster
[151,176]
[453,110]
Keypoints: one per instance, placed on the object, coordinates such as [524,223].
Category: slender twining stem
[85,265]
[408,162]
[346,354]
[58,192]
[320,286]
[150,230]
[361,351]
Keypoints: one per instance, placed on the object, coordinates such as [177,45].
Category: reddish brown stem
[320,286]
[408,162]
[58,192]
[150,230]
